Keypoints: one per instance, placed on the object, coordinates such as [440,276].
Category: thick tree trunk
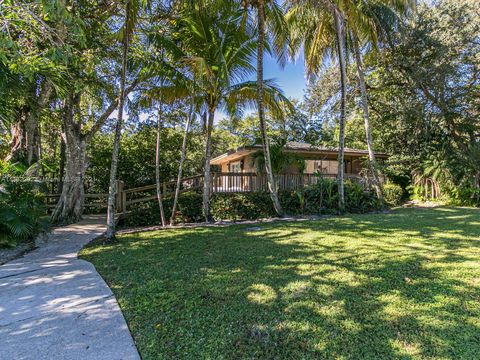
[368,131]
[69,208]
[157,166]
[206,180]
[25,143]
[272,186]
[339,27]
[17,144]
[180,165]
[61,174]
[112,190]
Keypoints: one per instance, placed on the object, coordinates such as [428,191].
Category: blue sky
[291,79]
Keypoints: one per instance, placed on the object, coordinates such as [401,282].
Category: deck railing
[220,183]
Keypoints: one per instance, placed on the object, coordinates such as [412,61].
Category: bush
[464,196]
[393,194]
[22,206]
[241,206]
[321,198]
[144,214]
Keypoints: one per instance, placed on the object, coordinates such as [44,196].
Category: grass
[404,285]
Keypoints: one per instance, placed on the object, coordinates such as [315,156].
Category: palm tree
[268,13]
[312,27]
[377,22]
[132,8]
[320,28]
[157,163]
[183,155]
[219,47]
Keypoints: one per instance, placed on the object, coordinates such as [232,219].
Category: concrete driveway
[55,306]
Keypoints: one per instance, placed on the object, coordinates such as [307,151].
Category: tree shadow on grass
[404,285]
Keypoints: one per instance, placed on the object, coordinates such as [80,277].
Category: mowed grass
[403,285]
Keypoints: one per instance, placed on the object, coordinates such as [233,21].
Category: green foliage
[393,194]
[144,214]
[402,285]
[22,206]
[241,206]
[322,198]
[318,199]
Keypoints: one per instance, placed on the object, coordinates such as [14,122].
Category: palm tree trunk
[368,131]
[112,191]
[180,165]
[272,186]
[206,176]
[339,27]
[157,165]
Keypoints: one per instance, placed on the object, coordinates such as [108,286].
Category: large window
[325,166]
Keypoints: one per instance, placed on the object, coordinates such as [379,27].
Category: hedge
[318,199]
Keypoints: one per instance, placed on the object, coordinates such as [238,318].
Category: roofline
[250,148]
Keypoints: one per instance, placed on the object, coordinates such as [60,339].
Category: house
[237,170]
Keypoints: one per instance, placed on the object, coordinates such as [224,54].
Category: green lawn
[404,285]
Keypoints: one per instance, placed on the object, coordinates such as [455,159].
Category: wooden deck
[220,183]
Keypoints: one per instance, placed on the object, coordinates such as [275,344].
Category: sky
[291,79]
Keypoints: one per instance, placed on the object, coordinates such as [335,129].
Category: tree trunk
[112,191]
[368,131]
[339,27]
[206,177]
[69,208]
[157,166]
[17,144]
[180,165]
[272,186]
[25,143]
[61,174]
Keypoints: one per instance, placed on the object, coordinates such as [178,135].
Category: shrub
[393,194]
[22,206]
[464,196]
[321,198]
[144,214]
[241,206]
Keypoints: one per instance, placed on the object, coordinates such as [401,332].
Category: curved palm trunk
[272,186]
[368,131]
[157,166]
[206,176]
[339,27]
[180,165]
[112,190]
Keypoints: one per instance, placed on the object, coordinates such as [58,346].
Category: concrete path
[55,306]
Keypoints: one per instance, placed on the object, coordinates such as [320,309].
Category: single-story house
[317,159]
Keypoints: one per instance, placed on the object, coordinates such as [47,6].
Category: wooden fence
[220,183]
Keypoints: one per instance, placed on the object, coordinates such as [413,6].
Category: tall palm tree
[132,9]
[270,21]
[377,21]
[189,118]
[319,27]
[311,23]
[219,47]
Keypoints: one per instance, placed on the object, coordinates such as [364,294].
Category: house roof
[293,146]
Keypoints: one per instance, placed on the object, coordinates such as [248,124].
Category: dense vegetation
[318,199]
[354,287]
[384,75]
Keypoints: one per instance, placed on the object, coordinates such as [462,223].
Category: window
[236,167]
